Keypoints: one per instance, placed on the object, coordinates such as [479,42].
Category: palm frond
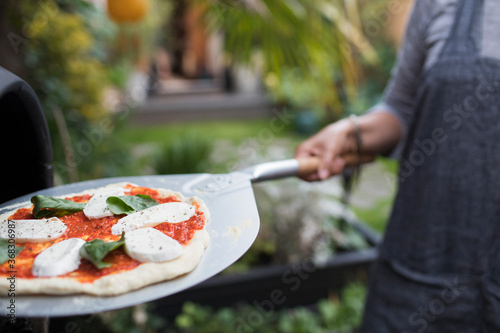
[317,37]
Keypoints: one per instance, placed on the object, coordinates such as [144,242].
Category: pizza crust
[114,284]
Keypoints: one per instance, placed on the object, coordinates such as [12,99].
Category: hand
[329,144]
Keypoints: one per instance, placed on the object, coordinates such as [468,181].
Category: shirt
[428,27]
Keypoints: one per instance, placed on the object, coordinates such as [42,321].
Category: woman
[439,264]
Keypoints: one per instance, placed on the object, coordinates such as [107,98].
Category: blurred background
[142,87]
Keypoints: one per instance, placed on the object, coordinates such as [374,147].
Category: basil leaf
[96,250]
[129,204]
[46,206]
[8,250]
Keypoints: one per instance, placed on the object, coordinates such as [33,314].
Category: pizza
[105,241]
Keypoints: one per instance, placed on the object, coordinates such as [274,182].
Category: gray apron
[439,265]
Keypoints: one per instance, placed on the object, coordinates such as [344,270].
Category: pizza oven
[25,141]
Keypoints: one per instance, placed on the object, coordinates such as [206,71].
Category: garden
[94,66]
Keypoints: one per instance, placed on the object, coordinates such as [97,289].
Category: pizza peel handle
[301,167]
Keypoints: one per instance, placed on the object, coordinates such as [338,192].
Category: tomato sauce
[79,226]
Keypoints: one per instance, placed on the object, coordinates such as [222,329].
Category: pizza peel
[233,227]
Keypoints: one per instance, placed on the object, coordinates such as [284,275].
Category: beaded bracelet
[350,175]
[357,133]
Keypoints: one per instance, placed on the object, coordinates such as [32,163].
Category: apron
[439,264]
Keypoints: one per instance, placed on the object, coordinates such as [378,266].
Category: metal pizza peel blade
[233,227]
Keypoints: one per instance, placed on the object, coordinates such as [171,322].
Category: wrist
[356,133]
[343,127]
[347,129]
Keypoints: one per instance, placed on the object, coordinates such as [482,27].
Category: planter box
[278,286]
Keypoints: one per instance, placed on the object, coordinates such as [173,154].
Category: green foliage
[233,130]
[319,40]
[64,72]
[188,153]
[297,91]
[346,313]
[286,34]
[314,54]
[333,315]
[97,152]
[71,58]
[340,314]
[118,73]
[197,318]
[303,220]
[100,153]
[136,319]
[300,320]
[67,43]
[350,239]
[377,215]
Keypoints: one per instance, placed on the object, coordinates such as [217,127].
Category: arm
[386,126]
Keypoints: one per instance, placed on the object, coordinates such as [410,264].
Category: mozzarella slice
[151,245]
[96,207]
[34,231]
[172,212]
[59,259]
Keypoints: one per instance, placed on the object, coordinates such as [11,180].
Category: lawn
[236,131]
[378,188]
[231,145]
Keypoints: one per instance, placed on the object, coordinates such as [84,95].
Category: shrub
[188,154]
[339,314]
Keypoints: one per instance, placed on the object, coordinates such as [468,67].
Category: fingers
[331,162]
[326,167]
[327,153]
[328,145]
[308,148]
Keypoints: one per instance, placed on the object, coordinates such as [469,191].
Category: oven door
[25,144]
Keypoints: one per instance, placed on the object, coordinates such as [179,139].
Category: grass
[236,131]
[154,141]
[378,214]
[390,165]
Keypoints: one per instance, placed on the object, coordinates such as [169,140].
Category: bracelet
[357,133]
